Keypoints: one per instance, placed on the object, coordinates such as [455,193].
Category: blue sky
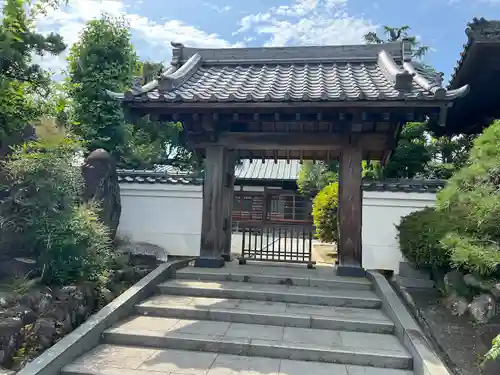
[224,23]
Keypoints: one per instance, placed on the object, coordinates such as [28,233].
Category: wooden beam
[212,226]
[227,203]
[349,211]
[173,106]
[287,140]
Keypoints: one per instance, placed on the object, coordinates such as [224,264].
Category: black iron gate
[277,242]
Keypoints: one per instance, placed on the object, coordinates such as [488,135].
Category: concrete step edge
[262,348]
[267,318]
[82,369]
[282,296]
[315,282]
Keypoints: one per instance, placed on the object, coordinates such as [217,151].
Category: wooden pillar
[227,203]
[212,225]
[349,212]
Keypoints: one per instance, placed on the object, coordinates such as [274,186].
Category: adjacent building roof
[281,170]
[377,72]
[268,170]
[479,30]
[478,68]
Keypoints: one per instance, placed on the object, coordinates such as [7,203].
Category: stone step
[408,271]
[407,282]
[348,348]
[123,360]
[267,313]
[319,278]
[275,293]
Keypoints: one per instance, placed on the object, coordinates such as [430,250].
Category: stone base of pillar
[227,257]
[209,262]
[351,271]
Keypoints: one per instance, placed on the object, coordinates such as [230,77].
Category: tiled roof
[329,73]
[247,170]
[478,30]
[268,170]
[151,177]
[287,172]
[405,186]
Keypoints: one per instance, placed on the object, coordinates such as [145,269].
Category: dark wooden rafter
[286,141]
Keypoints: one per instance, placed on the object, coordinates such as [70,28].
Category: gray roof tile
[268,170]
[152,177]
[330,73]
[404,186]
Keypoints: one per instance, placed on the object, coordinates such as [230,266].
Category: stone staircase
[251,320]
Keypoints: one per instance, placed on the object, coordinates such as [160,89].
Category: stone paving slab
[322,277]
[267,313]
[260,340]
[166,326]
[276,293]
[112,360]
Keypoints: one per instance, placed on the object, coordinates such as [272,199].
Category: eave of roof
[302,74]
[479,30]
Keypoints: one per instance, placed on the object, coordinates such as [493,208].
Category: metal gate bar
[277,242]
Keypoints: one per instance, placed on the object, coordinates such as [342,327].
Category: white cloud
[308,22]
[71,19]
[218,9]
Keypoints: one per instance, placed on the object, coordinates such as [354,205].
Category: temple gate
[319,103]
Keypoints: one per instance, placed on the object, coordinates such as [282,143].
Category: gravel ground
[460,341]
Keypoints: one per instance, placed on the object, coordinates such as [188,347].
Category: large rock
[454,284]
[458,305]
[16,267]
[101,185]
[10,339]
[495,290]
[143,253]
[482,308]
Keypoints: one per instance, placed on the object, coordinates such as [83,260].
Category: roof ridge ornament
[400,78]
[177,49]
[169,82]
[406,49]
[433,87]
[482,29]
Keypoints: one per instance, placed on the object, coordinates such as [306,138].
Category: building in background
[265,191]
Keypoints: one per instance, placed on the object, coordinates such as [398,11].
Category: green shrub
[42,214]
[324,212]
[494,353]
[471,197]
[79,247]
[472,255]
[419,237]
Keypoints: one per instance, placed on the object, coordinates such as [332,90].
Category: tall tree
[394,34]
[22,80]
[102,59]
[315,176]
[150,70]
[412,154]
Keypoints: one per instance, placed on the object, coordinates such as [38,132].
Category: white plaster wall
[162,214]
[382,211]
